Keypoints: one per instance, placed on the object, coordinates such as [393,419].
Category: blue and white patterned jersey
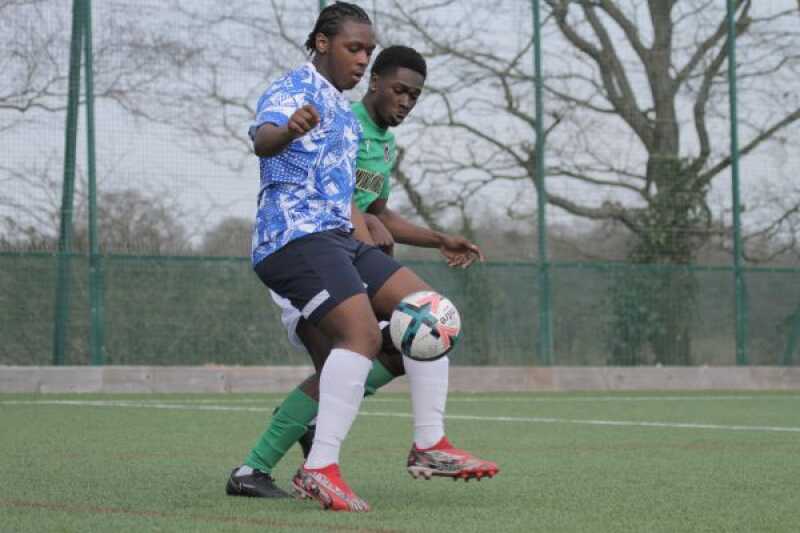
[308,187]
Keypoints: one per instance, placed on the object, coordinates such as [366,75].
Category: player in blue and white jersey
[309,244]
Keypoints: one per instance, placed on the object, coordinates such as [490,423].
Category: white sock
[428,383]
[341,388]
[243,470]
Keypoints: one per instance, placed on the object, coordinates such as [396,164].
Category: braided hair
[330,21]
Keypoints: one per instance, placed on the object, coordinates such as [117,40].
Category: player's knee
[366,341]
[374,340]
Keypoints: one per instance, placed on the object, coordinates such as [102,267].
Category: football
[425,326]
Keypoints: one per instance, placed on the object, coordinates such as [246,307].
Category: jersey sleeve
[278,104]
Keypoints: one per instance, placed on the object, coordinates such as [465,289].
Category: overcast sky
[134,152]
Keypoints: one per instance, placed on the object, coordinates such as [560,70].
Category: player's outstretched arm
[270,140]
[458,251]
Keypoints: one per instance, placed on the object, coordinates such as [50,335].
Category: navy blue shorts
[319,271]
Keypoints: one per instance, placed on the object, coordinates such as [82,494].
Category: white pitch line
[618,423]
[137,404]
[595,399]
[495,399]
[537,420]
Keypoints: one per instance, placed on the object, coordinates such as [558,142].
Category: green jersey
[377,154]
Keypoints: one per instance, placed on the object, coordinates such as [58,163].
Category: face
[396,94]
[343,59]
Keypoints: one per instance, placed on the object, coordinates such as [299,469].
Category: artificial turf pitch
[591,462]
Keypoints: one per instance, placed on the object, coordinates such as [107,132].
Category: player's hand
[380,235]
[302,121]
[459,252]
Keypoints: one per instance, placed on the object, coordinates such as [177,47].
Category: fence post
[96,327]
[793,339]
[739,282]
[63,281]
[545,340]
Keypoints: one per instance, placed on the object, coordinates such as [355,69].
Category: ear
[373,82]
[322,43]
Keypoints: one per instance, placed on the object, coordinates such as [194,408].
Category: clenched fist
[302,121]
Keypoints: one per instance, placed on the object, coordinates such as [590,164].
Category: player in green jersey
[396,82]
[389,100]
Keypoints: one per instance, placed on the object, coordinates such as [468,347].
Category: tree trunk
[668,238]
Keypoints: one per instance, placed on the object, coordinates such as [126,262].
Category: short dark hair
[330,21]
[398,56]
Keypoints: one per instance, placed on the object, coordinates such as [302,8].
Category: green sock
[291,420]
[288,424]
[378,377]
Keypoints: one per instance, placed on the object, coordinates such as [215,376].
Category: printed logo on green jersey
[369,181]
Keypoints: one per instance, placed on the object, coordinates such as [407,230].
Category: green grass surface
[568,464]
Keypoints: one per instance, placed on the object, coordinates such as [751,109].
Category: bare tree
[33,61]
[135,222]
[636,114]
[130,220]
[215,66]
[128,57]
[231,237]
[139,60]
[636,118]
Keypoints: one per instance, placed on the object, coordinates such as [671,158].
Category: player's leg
[294,419]
[287,425]
[431,454]
[355,339]
[387,366]
[353,330]
[289,421]
[317,274]
[428,381]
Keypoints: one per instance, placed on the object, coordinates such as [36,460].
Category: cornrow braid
[330,21]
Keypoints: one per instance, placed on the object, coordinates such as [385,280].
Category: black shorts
[319,271]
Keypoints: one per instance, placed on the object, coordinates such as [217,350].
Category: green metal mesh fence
[194,311]
[624,255]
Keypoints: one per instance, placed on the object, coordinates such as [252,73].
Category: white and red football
[425,326]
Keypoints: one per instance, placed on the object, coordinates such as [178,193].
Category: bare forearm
[406,232]
[271,140]
[360,229]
